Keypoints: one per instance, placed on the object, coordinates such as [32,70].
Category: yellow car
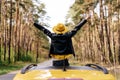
[87,72]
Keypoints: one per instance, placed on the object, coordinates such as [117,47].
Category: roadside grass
[6,68]
[12,67]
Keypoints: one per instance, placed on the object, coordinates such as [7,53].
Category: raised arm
[78,27]
[40,27]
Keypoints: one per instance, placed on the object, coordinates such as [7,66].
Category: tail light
[66,79]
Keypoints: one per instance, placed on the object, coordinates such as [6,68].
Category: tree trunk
[37,51]
[102,31]
[118,11]
[0,10]
[0,30]
[5,28]
[10,34]
[17,48]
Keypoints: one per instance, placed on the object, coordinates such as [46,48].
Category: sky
[57,10]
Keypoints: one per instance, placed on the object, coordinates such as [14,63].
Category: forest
[97,42]
[19,40]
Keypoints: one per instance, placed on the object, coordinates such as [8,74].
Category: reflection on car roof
[67,67]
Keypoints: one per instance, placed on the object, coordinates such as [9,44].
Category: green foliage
[1,55]
[109,1]
[42,35]
[7,68]
[25,58]
[79,1]
[45,46]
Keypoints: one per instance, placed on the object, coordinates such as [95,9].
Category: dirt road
[11,75]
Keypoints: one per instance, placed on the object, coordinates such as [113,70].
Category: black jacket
[61,44]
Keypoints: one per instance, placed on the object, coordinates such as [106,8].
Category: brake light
[57,79]
[66,79]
